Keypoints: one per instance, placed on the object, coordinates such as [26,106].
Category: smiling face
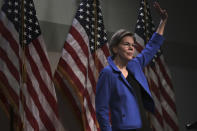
[125,49]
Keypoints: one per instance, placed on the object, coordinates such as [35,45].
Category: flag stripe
[45,119]
[58,80]
[8,88]
[42,84]
[8,36]
[9,64]
[29,116]
[82,59]
[170,122]
[11,60]
[163,71]
[42,56]
[77,36]
[165,94]
[80,86]
[15,98]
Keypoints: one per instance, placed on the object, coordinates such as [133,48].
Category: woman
[115,88]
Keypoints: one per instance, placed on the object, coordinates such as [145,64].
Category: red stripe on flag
[75,57]
[42,57]
[45,119]
[63,87]
[81,66]
[163,71]
[164,93]
[31,119]
[8,88]
[75,79]
[105,50]
[10,65]
[169,120]
[8,36]
[49,97]
[77,36]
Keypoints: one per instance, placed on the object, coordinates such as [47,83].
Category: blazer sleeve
[150,50]
[102,100]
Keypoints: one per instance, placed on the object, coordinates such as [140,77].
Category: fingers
[157,7]
[162,12]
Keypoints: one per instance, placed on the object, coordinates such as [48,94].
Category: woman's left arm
[156,40]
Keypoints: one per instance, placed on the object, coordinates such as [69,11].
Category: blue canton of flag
[12,9]
[86,16]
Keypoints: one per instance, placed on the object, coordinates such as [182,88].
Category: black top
[141,95]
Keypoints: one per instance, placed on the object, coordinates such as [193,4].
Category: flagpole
[147,39]
[95,41]
[23,69]
[95,35]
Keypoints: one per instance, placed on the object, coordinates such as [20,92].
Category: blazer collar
[112,64]
[115,68]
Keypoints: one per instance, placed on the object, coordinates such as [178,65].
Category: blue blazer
[115,94]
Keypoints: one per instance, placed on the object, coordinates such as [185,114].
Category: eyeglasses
[127,44]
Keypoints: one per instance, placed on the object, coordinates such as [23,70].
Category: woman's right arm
[102,100]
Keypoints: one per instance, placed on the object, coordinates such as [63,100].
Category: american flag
[83,56]
[158,75]
[33,99]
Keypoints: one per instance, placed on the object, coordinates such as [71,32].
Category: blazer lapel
[126,82]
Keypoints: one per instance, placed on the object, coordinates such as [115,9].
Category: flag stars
[98,43]
[16,3]
[80,10]
[30,4]
[87,5]
[30,12]
[99,14]
[30,20]
[87,12]
[81,4]
[87,19]
[87,26]
[30,36]
[141,14]
[100,21]
[9,11]
[16,11]
[9,3]
[92,47]
[16,19]
[138,27]
[36,31]
[98,36]
[81,17]
[99,28]
[29,28]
